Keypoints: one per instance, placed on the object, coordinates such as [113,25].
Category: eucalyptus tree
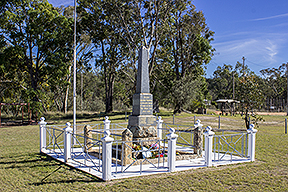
[221,83]
[99,22]
[39,45]
[275,85]
[118,29]
[62,94]
[250,94]
[174,32]
[184,50]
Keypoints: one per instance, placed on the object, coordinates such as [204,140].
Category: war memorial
[146,145]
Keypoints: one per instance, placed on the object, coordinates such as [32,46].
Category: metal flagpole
[287,87]
[74,75]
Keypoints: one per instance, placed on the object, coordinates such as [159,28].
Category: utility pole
[243,58]
[233,85]
[233,104]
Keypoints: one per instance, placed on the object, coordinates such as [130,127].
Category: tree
[101,26]
[221,84]
[274,85]
[39,45]
[251,97]
[185,48]
[167,28]
[84,54]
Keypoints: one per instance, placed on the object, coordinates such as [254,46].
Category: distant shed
[227,106]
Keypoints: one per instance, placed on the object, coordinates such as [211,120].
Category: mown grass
[22,168]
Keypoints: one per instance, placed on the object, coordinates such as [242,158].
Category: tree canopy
[37,49]
[36,57]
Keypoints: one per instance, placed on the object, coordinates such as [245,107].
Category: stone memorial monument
[142,123]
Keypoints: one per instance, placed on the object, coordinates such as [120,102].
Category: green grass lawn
[22,168]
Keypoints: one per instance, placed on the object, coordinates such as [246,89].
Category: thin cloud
[262,50]
[272,50]
[271,17]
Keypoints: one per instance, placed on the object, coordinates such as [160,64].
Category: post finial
[208,131]
[172,130]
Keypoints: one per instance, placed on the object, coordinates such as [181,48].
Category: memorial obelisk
[142,123]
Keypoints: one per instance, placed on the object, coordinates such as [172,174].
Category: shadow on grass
[25,160]
[94,180]
[37,160]
[43,181]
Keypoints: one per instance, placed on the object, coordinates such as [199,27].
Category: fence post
[219,122]
[198,138]
[42,126]
[106,155]
[209,134]
[159,127]
[286,126]
[173,119]
[88,143]
[67,141]
[251,142]
[172,138]
[106,123]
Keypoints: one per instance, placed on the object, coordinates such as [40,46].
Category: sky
[254,29]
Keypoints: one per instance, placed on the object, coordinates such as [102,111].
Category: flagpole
[74,75]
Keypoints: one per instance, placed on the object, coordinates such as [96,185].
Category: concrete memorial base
[140,170]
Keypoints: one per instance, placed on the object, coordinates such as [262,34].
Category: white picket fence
[61,141]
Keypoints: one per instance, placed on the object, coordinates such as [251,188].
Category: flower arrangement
[154,146]
[161,155]
[154,149]
[136,147]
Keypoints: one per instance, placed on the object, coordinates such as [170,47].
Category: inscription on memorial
[143,104]
[146,105]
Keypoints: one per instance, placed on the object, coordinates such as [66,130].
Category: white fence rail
[229,146]
[105,147]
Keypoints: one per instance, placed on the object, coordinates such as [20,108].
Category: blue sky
[255,29]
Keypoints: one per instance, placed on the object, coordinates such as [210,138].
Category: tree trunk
[177,108]
[65,103]
[109,94]
[246,119]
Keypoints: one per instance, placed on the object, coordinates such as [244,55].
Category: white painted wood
[106,156]
[172,138]
[106,123]
[67,141]
[209,134]
[251,142]
[159,127]
[42,127]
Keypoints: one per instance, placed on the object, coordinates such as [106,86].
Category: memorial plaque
[142,104]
